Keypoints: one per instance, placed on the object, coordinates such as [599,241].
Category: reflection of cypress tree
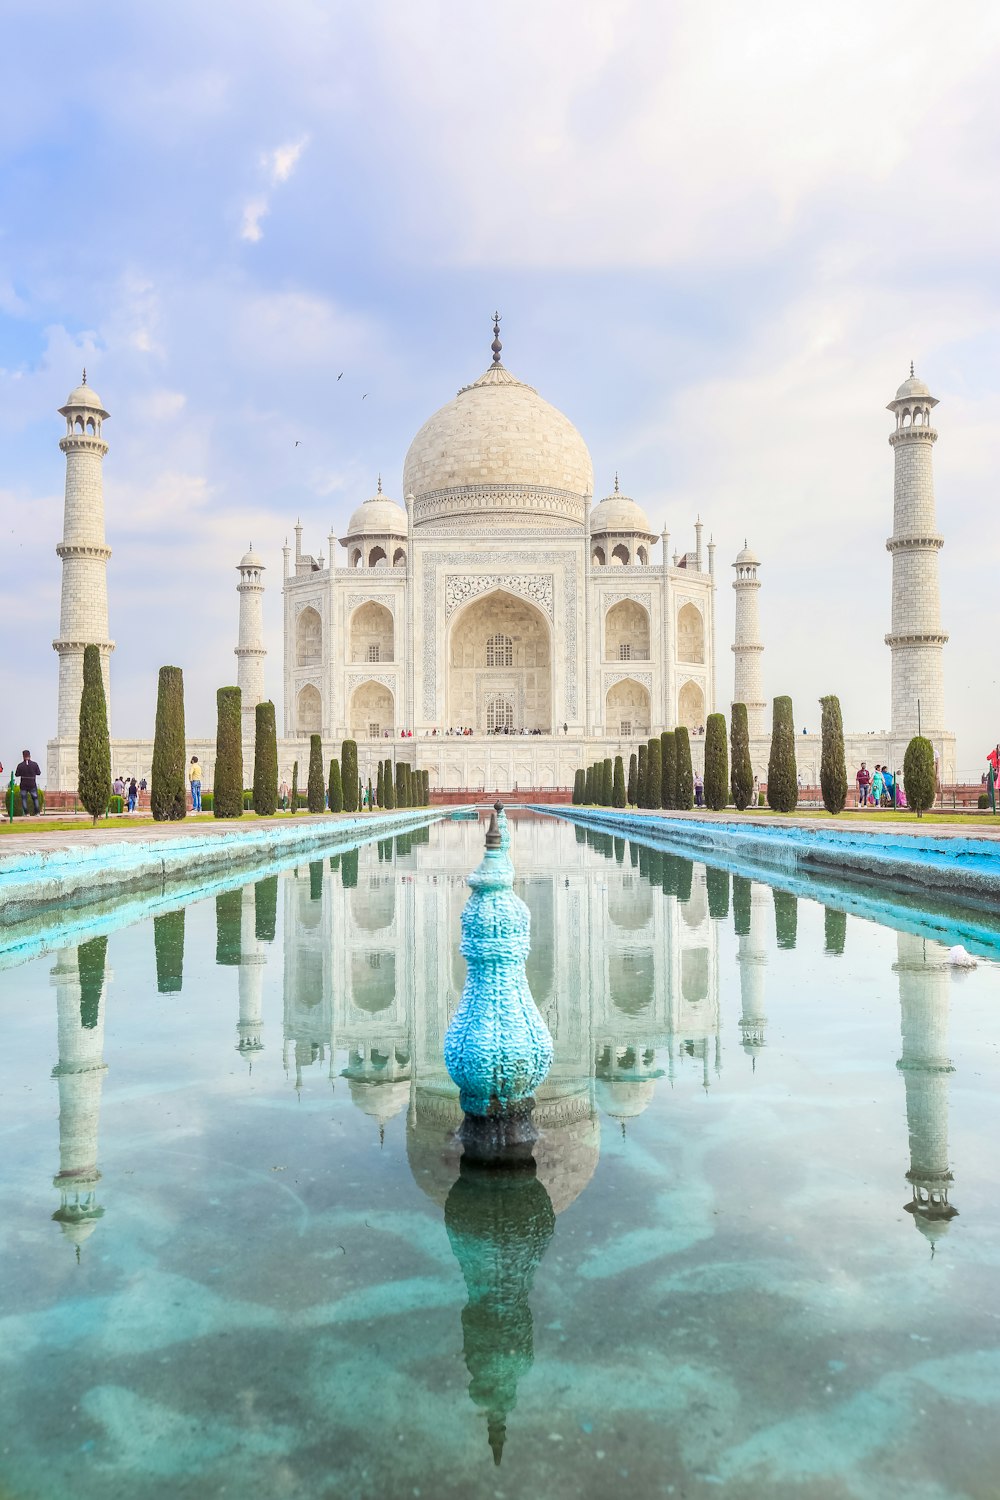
[228,945]
[644,861]
[786,918]
[717,885]
[633,854]
[349,869]
[499,1223]
[685,870]
[656,866]
[741,906]
[620,851]
[315,880]
[403,845]
[670,876]
[581,834]
[835,930]
[168,944]
[265,909]
[92,959]
[335,859]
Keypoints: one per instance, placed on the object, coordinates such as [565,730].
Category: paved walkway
[940,826]
[38,839]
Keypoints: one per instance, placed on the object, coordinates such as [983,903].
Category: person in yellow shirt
[194,776]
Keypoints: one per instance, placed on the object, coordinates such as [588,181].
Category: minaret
[924,984]
[83,614]
[916,637]
[752,960]
[748,647]
[79,978]
[250,652]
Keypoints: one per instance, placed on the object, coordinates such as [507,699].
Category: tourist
[118,787]
[864,780]
[133,794]
[194,776]
[142,785]
[284,791]
[889,781]
[699,790]
[27,774]
[878,786]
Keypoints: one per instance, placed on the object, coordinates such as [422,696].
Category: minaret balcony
[912,435]
[83,549]
[918,638]
[927,542]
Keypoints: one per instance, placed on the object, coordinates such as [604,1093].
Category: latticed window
[374,731]
[625,651]
[626,729]
[499,716]
[374,960]
[375,653]
[499,651]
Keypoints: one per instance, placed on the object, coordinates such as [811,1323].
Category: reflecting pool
[756,1248]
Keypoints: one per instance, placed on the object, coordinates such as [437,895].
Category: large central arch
[500,666]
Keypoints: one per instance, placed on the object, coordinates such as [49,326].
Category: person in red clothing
[864,780]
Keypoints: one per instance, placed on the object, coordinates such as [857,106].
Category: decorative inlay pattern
[537,588]
[644,679]
[358,679]
[389,600]
[608,600]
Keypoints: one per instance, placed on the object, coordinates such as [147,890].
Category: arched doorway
[309,710]
[500,666]
[371,633]
[626,632]
[690,634]
[372,711]
[691,706]
[308,638]
[627,712]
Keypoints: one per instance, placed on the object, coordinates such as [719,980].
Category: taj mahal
[514,628]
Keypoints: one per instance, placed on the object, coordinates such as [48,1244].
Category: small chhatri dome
[914,386]
[85,397]
[619,513]
[250,559]
[747,558]
[379,516]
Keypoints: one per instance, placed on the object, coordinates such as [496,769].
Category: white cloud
[253,212]
[280,163]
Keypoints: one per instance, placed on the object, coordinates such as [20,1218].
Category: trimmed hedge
[294,799]
[833,762]
[618,791]
[716,763]
[633,779]
[742,767]
[654,773]
[579,786]
[684,784]
[265,761]
[918,774]
[668,769]
[349,774]
[335,788]
[94,746]
[168,778]
[388,788]
[228,788]
[315,790]
[607,782]
[640,785]
[782,781]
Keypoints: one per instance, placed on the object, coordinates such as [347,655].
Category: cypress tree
[833,762]
[315,790]
[654,773]
[741,905]
[834,930]
[227,801]
[633,779]
[717,888]
[918,774]
[716,763]
[668,768]
[295,787]
[94,785]
[588,787]
[618,793]
[265,761]
[168,945]
[579,786]
[168,780]
[782,781]
[335,788]
[349,774]
[400,784]
[265,909]
[369,793]
[607,782]
[378,785]
[786,918]
[684,782]
[742,768]
[387,786]
[640,784]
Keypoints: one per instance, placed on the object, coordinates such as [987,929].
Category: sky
[718,235]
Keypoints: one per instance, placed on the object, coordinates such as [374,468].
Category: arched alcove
[631,979]
[499,665]
[373,908]
[626,632]
[308,638]
[690,634]
[627,710]
[372,633]
[630,904]
[377,558]
[309,711]
[598,558]
[372,711]
[399,558]
[691,706]
[620,555]
[373,980]
[694,975]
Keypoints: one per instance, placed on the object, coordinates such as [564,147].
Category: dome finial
[616,481]
[380,482]
[911,369]
[84,380]
[496,345]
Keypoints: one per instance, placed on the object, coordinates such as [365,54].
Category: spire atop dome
[380,482]
[496,346]
[616,482]
[84,380]
[911,370]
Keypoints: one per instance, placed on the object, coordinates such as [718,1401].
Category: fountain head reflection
[498,1048]
[499,1221]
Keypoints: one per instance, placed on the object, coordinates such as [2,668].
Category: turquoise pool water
[759,1255]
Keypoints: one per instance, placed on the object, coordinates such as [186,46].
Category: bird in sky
[341,375]
[298,442]
[365,396]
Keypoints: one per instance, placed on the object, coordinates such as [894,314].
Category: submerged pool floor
[758,1253]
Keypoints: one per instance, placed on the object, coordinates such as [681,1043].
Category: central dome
[498,451]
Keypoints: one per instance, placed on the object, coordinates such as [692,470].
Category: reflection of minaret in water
[752,959]
[924,983]
[499,1221]
[79,977]
[253,960]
